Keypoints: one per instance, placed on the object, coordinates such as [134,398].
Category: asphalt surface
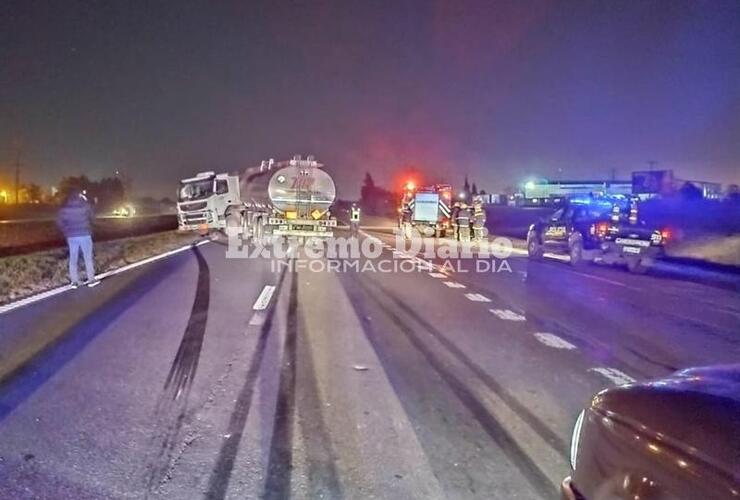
[431,383]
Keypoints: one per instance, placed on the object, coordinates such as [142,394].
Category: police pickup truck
[598,228]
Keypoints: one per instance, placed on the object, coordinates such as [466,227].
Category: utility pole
[17,178]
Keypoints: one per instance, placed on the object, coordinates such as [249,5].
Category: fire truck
[426,209]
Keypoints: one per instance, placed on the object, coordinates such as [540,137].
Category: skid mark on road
[218,482]
[172,406]
[280,462]
[183,369]
[488,422]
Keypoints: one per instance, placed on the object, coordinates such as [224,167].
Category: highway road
[204,377]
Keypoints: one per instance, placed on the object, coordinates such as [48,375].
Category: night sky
[496,90]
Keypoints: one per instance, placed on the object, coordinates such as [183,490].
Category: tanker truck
[288,198]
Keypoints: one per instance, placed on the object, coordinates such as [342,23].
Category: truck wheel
[636,265]
[233,222]
[575,251]
[534,248]
[259,229]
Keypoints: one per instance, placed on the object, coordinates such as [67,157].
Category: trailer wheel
[259,229]
[233,222]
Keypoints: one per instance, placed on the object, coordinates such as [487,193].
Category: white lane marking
[264,298]
[515,251]
[476,297]
[553,341]
[615,376]
[56,291]
[34,298]
[258,318]
[561,258]
[437,275]
[148,260]
[453,284]
[599,278]
[507,314]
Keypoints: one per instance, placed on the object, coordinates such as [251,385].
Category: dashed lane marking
[264,298]
[437,275]
[615,376]
[476,297]
[507,314]
[258,318]
[553,341]
[453,284]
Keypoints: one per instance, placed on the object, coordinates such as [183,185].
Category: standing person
[354,219]
[75,221]
[453,219]
[463,223]
[479,218]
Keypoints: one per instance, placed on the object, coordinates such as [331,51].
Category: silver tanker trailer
[290,198]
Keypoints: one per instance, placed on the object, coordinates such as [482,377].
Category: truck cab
[202,201]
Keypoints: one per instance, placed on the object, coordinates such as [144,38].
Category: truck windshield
[196,190]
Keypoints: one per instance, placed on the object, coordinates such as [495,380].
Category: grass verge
[29,274]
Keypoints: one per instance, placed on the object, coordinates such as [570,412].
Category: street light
[4,196]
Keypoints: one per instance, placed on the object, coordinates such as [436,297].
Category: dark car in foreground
[673,438]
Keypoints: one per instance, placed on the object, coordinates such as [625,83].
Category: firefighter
[479,218]
[354,219]
[406,215]
[463,222]
[453,218]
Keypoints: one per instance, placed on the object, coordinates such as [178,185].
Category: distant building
[542,193]
[647,184]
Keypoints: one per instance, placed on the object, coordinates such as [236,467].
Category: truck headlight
[575,438]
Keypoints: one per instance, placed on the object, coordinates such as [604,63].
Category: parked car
[673,438]
[599,228]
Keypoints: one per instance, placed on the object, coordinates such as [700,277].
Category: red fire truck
[426,209]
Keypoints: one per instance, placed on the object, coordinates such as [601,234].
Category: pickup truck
[598,229]
[634,243]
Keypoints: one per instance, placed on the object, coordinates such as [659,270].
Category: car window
[222,187]
[557,215]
